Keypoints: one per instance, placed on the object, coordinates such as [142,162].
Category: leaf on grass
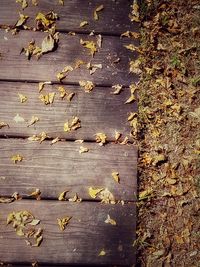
[130,34]
[73,124]
[135,66]
[48,98]
[102,253]
[135,15]
[33,120]
[87,85]
[93,67]
[145,194]
[62,195]
[131,116]
[115,176]
[83,149]
[93,192]
[42,84]
[22,98]
[18,119]
[110,221]
[60,76]
[91,45]
[83,23]
[22,19]
[23,3]
[101,138]
[36,194]
[41,137]
[17,158]
[55,140]
[63,222]
[75,198]
[3,124]
[117,89]
[97,9]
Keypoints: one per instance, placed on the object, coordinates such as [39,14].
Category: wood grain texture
[14,65]
[112,20]
[99,111]
[60,167]
[85,236]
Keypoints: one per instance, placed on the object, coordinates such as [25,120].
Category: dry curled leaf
[32,50]
[75,198]
[42,84]
[117,135]
[33,120]
[99,40]
[131,47]
[135,16]
[87,85]
[102,253]
[63,222]
[101,138]
[22,19]
[41,137]
[83,149]
[6,199]
[62,196]
[34,2]
[110,221]
[48,44]
[48,98]
[107,197]
[45,21]
[117,89]
[3,124]
[73,124]
[17,158]
[61,2]
[115,176]
[97,9]
[55,140]
[36,194]
[91,45]
[130,34]
[22,98]
[93,192]
[93,67]
[83,23]
[135,66]
[23,3]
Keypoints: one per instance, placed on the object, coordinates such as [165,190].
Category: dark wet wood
[83,239]
[99,111]
[16,66]
[112,20]
[60,167]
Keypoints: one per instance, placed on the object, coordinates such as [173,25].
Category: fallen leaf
[32,50]
[22,98]
[42,84]
[130,99]
[6,199]
[33,120]
[131,47]
[93,67]
[87,85]
[75,198]
[97,9]
[93,192]
[48,44]
[48,98]
[63,222]
[135,16]
[3,124]
[23,3]
[110,221]
[130,34]
[17,158]
[41,137]
[115,176]
[61,2]
[18,119]
[36,194]
[117,135]
[99,40]
[145,194]
[83,23]
[34,2]
[45,21]
[83,150]
[72,124]
[22,19]
[107,197]
[101,138]
[91,45]
[62,195]
[117,89]
[55,140]
[70,96]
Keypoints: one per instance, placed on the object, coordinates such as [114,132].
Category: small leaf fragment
[48,98]
[83,149]
[3,124]
[36,194]
[33,120]
[87,85]
[62,195]
[117,89]
[115,176]
[23,3]
[61,2]
[41,137]
[17,158]
[63,222]
[83,23]
[130,34]
[93,67]
[102,253]
[55,140]
[93,192]
[42,84]
[91,45]
[73,124]
[48,44]
[22,19]
[97,9]
[101,138]
[130,99]
[22,98]
[18,119]
[110,221]
[75,198]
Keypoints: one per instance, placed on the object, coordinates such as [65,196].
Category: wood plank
[14,65]
[112,20]
[60,167]
[99,111]
[85,236]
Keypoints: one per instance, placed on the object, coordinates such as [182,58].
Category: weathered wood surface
[99,111]
[83,239]
[112,20]
[60,167]
[16,66]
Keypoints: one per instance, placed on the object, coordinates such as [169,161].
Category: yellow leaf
[62,91]
[130,99]
[97,9]
[60,76]
[34,2]
[135,66]
[62,195]
[44,21]
[102,253]
[17,158]
[87,85]
[48,44]
[132,115]
[3,124]
[41,137]
[36,194]
[131,47]
[22,98]
[93,192]
[101,138]
[115,176]
[72,124]
[117,135]
[70,96]
[55,140]
[48,98]
[63,222]
[91,45]
[110,221]
[61,2]
[130,34]
[107,197]
[33,120]
[22,20]
[83,149]
[117,89]
[78,63]
[75,198]
[93,67]
[42,84]
[145,194]
[23,3]
[83,23]
[135,16]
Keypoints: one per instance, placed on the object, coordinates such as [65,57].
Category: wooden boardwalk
[101,227]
